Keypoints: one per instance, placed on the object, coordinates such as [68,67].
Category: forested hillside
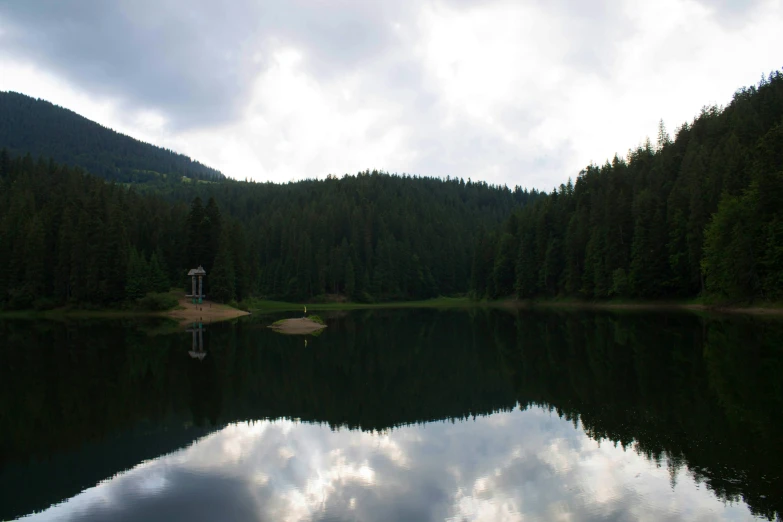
[698,215]
[29,125]
[68,237]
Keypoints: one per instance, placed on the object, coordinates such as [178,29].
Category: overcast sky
[511,92]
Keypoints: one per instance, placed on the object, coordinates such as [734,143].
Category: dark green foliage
[138,278]
[156,302]
[44,129]
[159,281]
[222,286]
[76,239]
[698,215]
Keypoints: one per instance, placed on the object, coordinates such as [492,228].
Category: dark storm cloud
[192,60]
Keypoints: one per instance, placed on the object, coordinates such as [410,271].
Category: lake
[475,415]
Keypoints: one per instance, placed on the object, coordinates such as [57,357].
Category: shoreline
[209,312]
[773,310]
[185,313]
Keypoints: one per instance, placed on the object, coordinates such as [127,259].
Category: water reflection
[665,416]
[511,466]
[197,350]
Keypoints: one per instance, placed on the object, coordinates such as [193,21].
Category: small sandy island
[206,312]
[301,326]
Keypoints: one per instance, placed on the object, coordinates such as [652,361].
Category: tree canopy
[697,215]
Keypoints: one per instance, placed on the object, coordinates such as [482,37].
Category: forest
[69,238]
[697,215]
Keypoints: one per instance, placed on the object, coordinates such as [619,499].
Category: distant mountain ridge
[38,127]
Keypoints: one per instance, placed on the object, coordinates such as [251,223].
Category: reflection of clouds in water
[510,466]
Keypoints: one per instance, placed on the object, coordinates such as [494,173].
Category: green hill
[30,125]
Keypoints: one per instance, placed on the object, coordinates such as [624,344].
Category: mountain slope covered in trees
[29,125]
[698,215]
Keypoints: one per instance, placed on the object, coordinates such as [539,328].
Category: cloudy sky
[512,92]
[508,467]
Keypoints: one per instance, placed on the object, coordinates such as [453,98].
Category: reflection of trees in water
[687,392]
[678,390]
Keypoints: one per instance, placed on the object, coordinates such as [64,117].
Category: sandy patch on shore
[299,326]
[206,312]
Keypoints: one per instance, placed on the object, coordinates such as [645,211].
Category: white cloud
[517,93]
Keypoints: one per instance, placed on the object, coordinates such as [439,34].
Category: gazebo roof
[197,271]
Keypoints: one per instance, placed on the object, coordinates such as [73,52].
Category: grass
[164,302]
[259,305]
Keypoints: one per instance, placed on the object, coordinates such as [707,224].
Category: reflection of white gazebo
[194,273]
[197,350]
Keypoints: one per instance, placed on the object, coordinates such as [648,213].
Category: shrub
[155,302]
[316,319]
[41,304]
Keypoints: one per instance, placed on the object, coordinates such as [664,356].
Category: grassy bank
[259,305]
[697,304]
[171,305]
[694,305]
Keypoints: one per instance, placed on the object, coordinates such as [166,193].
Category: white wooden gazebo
[197,273]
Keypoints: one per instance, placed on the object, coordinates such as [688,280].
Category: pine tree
[211,231]
[138,279]
[195,245]
[350,280]
[222,280]
[159,281]
[5,163]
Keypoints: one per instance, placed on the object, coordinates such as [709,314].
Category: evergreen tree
[138,279]
[222,280]
[197,248]
[159,281]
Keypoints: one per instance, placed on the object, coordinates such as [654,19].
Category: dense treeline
[70,238]
[699,215]
[29,125]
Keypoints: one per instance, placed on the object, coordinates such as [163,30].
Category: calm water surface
[395,415]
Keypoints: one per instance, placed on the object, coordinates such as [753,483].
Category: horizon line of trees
[699,215]
[71,238]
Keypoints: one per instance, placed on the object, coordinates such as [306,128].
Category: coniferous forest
[69,237]
[698,214]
